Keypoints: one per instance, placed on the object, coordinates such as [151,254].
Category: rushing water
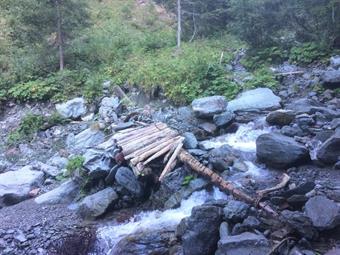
[243,140]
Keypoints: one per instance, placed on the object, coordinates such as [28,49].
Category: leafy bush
[187,180]
[262,77]
[31,124]
[307,53]
[75,163]
[270,55]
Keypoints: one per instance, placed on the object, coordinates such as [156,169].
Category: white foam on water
[244,139]
[155,220]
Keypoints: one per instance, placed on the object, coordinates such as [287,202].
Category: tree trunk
[217,180]
[179,23]
[59,36]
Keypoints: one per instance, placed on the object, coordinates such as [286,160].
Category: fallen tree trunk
[217,180]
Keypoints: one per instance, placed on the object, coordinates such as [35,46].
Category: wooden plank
[169,165]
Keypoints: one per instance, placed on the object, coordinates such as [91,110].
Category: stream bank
[250,141]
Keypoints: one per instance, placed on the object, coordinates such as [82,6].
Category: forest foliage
[132,43]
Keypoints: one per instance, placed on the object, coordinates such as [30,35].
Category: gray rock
[88,138]
[295,130]
[171,184]
[249,224]
[58,161]
[224,119]
[221,158]
[323,212]
[303,105]
[190,141]
[243,244]
[51,171]
[185,192]
[16,185]
[98,162]
[72,109]
[200,231]
[235,211]
[95,205]
[301,223]
[210,128]
[280,151]
[331,79]
[145,242]
[260,99]
[224,230]
[209,106]
[335,62]
[126,178]
[329,151]
[280,117]
[65,193]
[109,108]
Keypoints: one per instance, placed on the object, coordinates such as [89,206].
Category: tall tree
[45,25]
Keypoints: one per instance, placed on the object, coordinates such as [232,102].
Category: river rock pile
[302,140]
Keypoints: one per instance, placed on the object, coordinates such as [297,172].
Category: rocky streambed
[68,190]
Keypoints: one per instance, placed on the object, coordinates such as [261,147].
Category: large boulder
[300,223]
[329,152]
[244,244]
[224,119]
[185,192]
[259,99]
[126,178]
[16,185]
[280,151]
[235,211]
[171,184]
[88,138]
[109,108]
[323,212]
[65,193]
[209,106]
[97,204]
[280,117]
[98,163]
[72,109]
[190,141]
[331,79]
[200,232]
[146,242]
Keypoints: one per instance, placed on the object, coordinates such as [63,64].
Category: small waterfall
[109,236]
[244,141]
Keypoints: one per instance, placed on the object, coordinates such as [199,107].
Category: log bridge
[141,145]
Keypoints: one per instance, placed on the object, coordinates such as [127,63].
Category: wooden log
[140,133]
[143,136]
[157,149]
[128,136]
[169,165]
[121,136]
[146,141]
[217,180]
[139,151]
[285,179]
[121,94]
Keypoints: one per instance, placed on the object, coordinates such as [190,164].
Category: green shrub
[262,77]
[187,180]
[29,125]
[262,57]
[75,163]
[307,53]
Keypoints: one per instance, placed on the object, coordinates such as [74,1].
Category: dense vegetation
[132,43]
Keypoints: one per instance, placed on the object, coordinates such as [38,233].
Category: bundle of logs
[143,144]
